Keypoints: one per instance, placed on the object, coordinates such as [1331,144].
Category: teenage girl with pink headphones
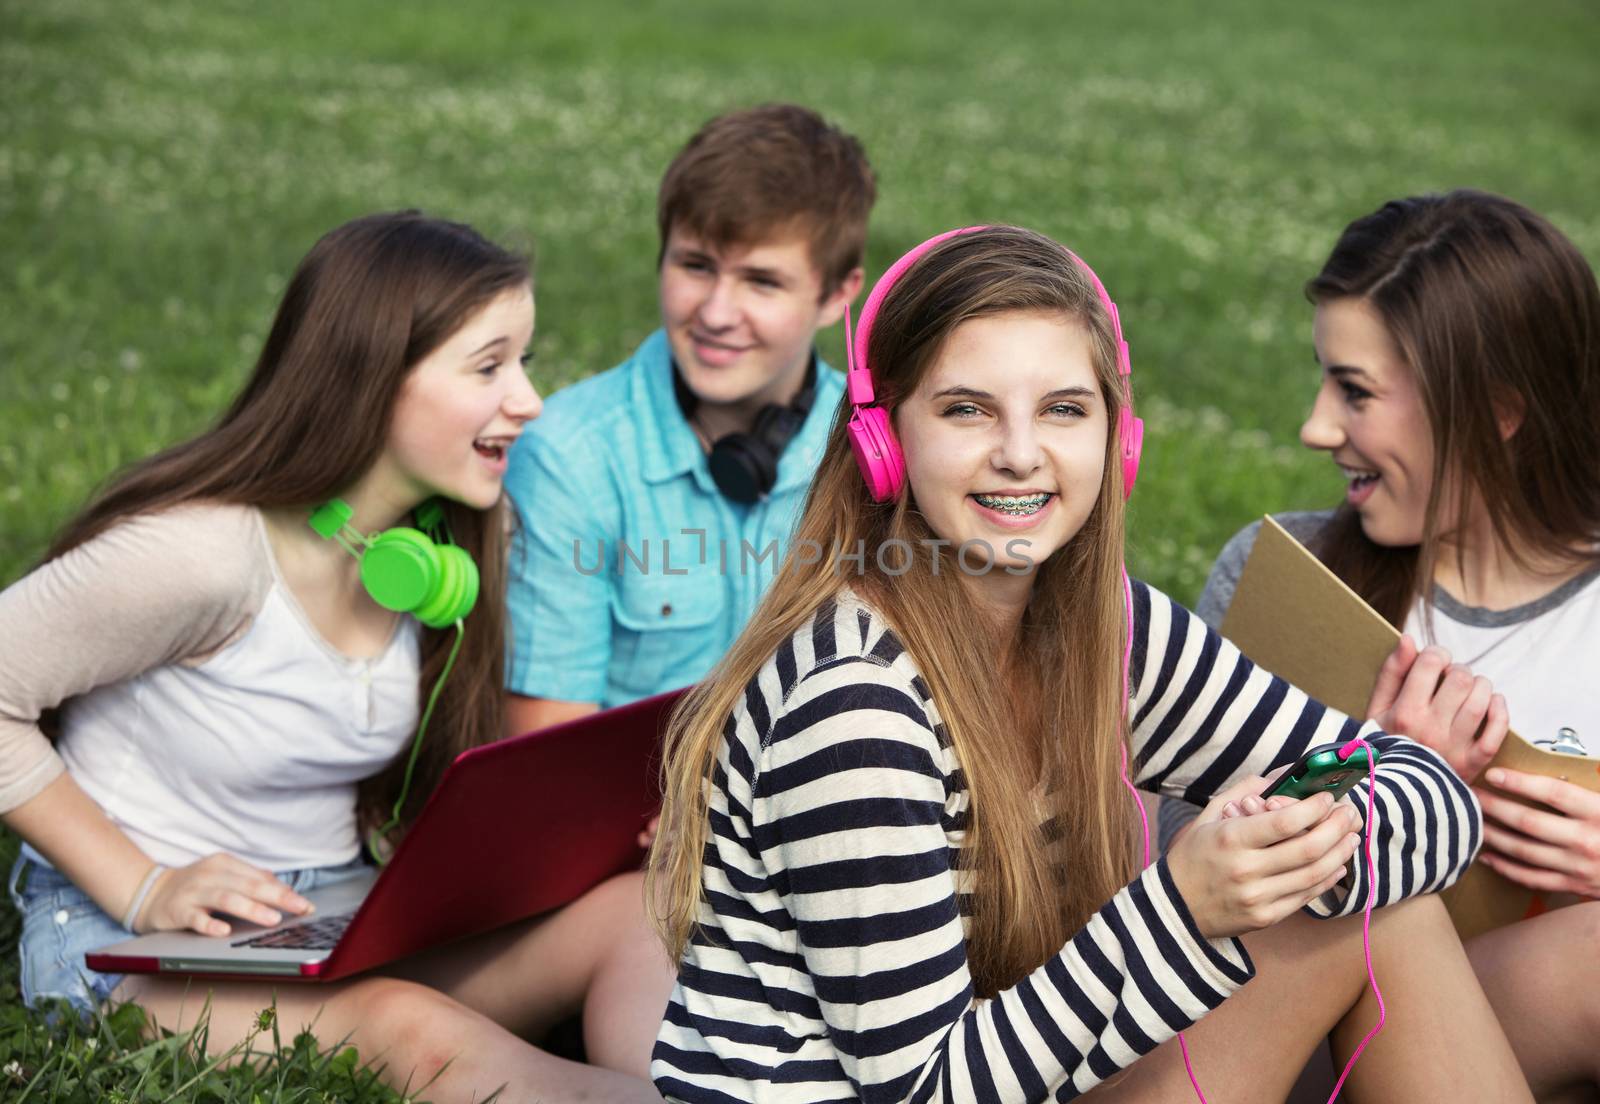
[238,699]
[897,858]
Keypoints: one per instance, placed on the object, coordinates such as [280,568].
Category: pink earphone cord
[1366,849]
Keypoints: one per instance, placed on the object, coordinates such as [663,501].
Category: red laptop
[514,829]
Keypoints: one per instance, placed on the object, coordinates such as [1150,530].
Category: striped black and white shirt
[831,964]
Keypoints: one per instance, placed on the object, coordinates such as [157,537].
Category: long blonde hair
[1032,887]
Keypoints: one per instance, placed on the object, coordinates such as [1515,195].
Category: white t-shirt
[1543,656]
[203,711]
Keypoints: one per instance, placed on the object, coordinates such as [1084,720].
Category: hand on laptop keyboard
[312,935]
[186,897]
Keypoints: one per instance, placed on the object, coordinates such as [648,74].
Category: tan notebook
[1294,617]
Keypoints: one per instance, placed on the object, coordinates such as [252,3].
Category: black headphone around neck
[744,466]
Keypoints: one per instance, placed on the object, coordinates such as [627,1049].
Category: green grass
[163,166]
[112,1061]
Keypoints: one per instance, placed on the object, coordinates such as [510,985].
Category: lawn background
[164,165]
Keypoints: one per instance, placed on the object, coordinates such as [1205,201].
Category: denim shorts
[60,924]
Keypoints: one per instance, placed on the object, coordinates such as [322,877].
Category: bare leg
[599,954]
[417,1035]
[456,1013]
[1441,1043]
[1543,978]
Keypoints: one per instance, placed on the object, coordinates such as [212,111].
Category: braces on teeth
[1032,504]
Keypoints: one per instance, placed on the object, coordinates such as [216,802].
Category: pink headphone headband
[860,378]
[872,436]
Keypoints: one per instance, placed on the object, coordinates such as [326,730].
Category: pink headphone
[872,438]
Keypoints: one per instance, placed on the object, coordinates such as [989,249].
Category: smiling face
[1369,417]
[741,319]
[460,408]
[1005,438]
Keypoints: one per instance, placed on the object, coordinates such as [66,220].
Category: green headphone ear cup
[401,569]
[457,590]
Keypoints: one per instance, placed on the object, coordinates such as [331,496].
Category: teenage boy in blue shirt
[655,501]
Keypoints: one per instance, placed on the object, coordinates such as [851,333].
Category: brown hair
[1032,888]
[752,173]
[1492,308]
[371,299]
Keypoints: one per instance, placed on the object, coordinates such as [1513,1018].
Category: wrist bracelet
[140,894]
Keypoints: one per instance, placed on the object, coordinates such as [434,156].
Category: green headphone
[408,571]
[404,569]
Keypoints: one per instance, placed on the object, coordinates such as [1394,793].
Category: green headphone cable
[418,571]
[377,836]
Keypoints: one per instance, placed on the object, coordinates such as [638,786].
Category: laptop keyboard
[313,935]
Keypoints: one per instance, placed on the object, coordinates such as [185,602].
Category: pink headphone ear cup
[1130,437]
[877,451]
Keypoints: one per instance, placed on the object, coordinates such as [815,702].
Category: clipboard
[1297,619]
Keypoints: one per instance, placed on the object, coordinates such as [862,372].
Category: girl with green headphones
[235,701]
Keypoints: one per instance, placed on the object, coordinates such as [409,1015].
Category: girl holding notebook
[898,856]
[1459,338]
[237,700]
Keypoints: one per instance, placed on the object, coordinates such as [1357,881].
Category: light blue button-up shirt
[630,573]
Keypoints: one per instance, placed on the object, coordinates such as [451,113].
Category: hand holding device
[187,897]
[1243,873]
[1440,705]
[1254,804]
